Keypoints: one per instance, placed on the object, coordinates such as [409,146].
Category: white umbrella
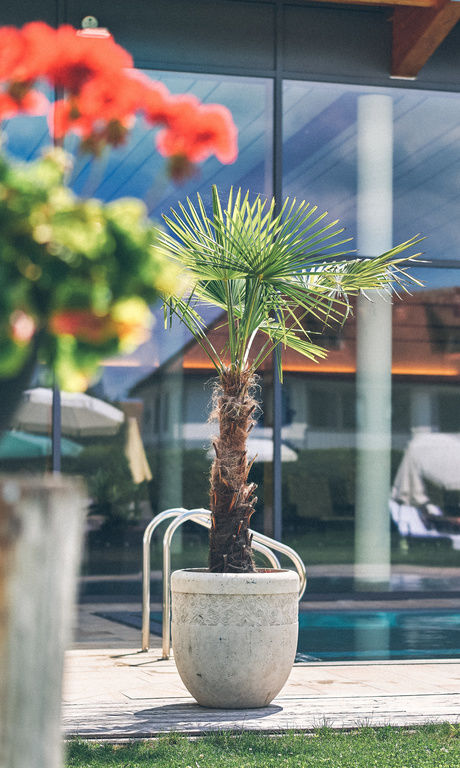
[262,449]
[81,415]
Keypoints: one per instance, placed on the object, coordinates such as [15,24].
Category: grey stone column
[41,527]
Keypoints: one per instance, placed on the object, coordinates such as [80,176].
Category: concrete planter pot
[41,527]
[234,635]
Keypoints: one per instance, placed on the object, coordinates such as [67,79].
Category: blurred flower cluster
[100,94]
[77,276]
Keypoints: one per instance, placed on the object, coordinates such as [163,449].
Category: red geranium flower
[215,133]
[79,59]
[107,124]
[30,103]
[155,101]
[83,324]
[65,117]
[177,137]
[100,99]
[95,133]
[11,51]
[40,50]
[198,130]
[26,54]
[101,113]
[129,321]
[103,94]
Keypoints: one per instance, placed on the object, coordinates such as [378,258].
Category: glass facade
[372,438]
[136,168]
[165,386]
[320,158]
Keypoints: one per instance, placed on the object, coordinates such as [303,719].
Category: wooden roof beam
[382,3]
[417,33]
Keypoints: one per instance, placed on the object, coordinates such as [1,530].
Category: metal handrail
[261,544]
[201,516]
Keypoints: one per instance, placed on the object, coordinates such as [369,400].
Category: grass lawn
[315,547]
[328,547]
[430,746]
[337,547]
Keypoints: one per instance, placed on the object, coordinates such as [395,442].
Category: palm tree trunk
[232,500]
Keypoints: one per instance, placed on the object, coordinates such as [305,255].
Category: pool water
[373,635]
[356,635]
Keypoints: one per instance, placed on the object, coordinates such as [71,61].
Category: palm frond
[270,271]
[187,314]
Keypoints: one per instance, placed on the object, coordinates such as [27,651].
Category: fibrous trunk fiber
[232,499]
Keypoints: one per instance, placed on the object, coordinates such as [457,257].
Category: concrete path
[118,694]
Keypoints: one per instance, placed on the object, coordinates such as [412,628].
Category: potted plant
[235,629]
[77,277]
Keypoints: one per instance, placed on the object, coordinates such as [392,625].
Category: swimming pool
[374,635]
[356,635]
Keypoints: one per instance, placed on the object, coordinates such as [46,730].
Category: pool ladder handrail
[260,543]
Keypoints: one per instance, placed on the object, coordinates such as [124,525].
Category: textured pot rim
[268,581]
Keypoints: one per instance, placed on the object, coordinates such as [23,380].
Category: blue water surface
[374,635]
[357,635]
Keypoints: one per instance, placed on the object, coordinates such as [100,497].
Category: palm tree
[269,272]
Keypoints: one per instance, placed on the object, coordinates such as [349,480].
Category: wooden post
[41,523]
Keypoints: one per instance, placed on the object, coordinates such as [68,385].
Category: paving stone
[121,694]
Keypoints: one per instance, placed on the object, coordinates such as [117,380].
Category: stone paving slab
[157,716]
[118,694]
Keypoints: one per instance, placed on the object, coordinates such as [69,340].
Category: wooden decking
[126,694]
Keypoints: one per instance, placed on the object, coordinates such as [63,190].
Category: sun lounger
[412,523]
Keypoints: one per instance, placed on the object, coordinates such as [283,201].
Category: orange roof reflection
[426,340]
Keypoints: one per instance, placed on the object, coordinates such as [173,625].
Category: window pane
[323,490]
[165,384]
[137,168]
[319,156]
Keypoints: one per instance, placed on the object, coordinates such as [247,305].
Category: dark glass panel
[319,156]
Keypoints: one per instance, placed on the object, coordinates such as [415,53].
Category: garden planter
[234,635]
[41,525]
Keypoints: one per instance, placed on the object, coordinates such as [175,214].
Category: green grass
[327,547]
[336,547]
[430,746]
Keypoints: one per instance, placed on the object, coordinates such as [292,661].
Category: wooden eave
[419,28]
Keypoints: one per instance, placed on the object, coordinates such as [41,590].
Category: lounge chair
[417,523]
